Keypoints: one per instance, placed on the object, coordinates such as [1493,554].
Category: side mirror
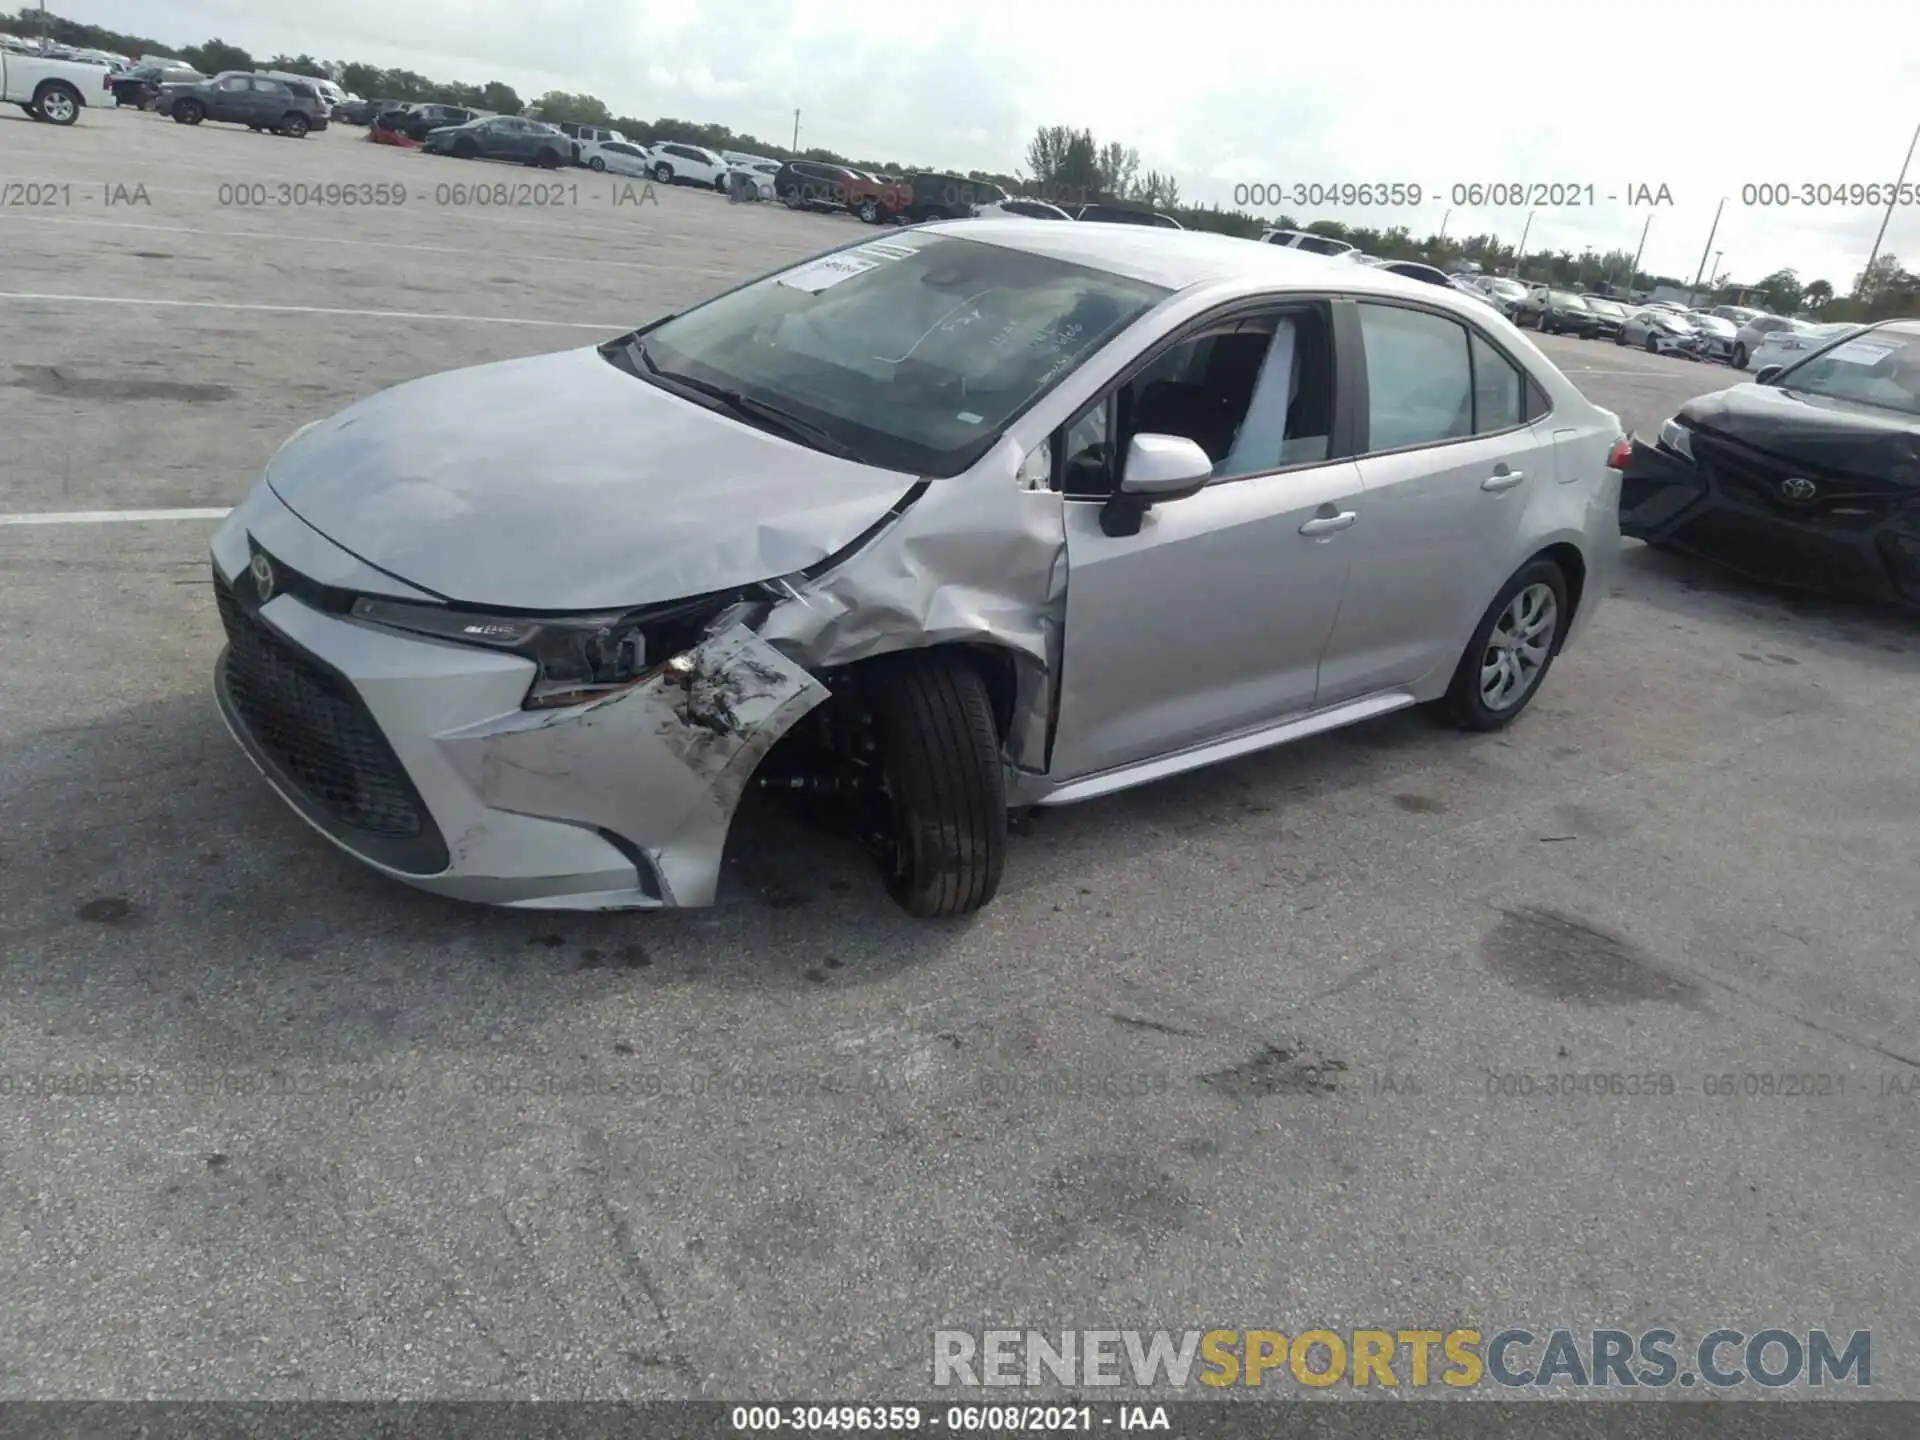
[1158,468]
[1767,374]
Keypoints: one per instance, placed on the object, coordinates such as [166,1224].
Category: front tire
[663,173]
[1739,357]
[1653,345]
[870,211]
[189,112]
[596,163]
[1511,651]
[465,149]
[946,802]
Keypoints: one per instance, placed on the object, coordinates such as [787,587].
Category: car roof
[1178,259]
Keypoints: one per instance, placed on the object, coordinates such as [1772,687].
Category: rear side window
[1499,389]
[1419,378]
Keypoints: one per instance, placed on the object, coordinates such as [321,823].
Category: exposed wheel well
[1573,565]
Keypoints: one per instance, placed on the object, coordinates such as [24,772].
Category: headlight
[1677,438]
[577,657]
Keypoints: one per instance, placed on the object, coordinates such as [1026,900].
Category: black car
[1808,477]
[812,185]
[946,197]
[139,87]
[1111,214]
[363,112]
[1556,312]
[1608,314]
[502,137]
[416,122]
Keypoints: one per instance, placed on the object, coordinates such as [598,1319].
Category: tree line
[1065,165]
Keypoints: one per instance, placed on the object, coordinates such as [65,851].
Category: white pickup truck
[50,90]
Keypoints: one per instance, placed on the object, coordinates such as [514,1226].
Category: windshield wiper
[761,412]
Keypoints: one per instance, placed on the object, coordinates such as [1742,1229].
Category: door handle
[1502,479]
[1327,524]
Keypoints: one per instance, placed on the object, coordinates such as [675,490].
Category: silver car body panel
[607,492]
[559,482]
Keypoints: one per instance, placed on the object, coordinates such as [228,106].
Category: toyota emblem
[262,572]
[1798,488]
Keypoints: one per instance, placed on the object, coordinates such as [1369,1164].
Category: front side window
[1255,393]
[236,82]
[912,353]
[1419,377]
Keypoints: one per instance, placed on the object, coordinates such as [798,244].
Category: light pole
[1443,224]
[1899,185]
[1520,255]
[1633,272]
[1693,295]
[796,132]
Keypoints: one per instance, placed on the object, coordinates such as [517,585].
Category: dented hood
[561,483]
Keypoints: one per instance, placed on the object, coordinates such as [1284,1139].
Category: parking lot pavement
[1229,1050]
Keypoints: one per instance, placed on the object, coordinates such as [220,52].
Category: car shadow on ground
[144,857]
[1690,589]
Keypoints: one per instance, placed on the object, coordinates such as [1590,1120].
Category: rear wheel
[57,102]
[293,125]
[1511,650]
[945,806]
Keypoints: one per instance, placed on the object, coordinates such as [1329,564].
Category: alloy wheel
[1518,647]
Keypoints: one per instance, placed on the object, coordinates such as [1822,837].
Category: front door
[1212,619]
[231,99]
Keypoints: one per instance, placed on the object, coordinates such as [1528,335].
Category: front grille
[315,729]
[1752,478]
[1786,554]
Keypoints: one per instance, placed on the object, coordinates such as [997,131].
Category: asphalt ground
[1233,1050]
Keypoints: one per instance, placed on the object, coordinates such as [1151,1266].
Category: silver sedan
[977,516]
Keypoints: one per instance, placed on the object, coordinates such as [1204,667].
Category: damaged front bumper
[415,756]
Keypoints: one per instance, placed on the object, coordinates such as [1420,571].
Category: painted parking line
[281,237]
[37,297]
[108,517]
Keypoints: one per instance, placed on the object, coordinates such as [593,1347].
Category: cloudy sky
[1702,97]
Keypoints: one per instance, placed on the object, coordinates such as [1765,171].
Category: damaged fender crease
[983,563]
[662,765]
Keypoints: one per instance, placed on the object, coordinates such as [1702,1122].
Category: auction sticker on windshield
[1863,352]
[830,270]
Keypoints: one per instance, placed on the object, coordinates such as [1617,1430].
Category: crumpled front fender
[661,766]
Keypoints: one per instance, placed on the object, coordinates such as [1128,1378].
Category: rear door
[1450,460]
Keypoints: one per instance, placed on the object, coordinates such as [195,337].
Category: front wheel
[663,173]
[465,149]
[1511,650]
[189,112]
[1653,345]
[1739,357]
[870,211]
[596,163]
[945,806]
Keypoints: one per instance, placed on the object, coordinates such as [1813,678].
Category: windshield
[1713,324]
[911,353]
[1506,289]
[1566,301]
[1880,368]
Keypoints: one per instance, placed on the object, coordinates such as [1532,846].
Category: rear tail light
[1622,452]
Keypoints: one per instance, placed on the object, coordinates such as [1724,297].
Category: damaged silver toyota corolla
[976,516]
